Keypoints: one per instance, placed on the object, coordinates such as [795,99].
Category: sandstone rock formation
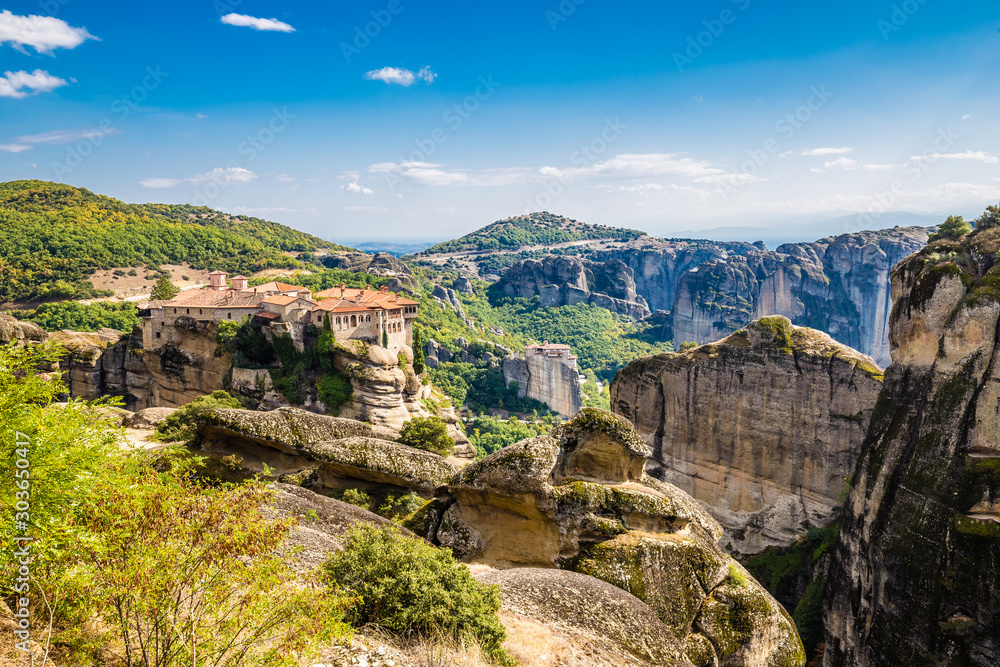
[763,426]
[916,574]
[333,453]
[579,499]
[839,285]
[95,362]
[565,281]
[548,374]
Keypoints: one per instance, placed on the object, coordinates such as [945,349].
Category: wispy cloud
[14,148]
[639,165]
[882,167]
[434,175]
[219,175]
[21,84]
[61,137]
[244,21]
[977,156]
[841,163]
[827,151]
[401,76]
[42,33]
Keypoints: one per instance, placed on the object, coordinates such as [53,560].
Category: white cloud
[639,165]
[967,116]
[244,21]
[841,163]
[882,167]
[827,151]
[14,148]
[401,76]
[43,33]
[21,84]
[356,188]
[433,175]
[219,175]
[284,178]
[978,156]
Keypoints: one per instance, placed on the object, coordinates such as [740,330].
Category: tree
[955,227]
[428,433]
[418,351]
[385,338]
[990,218]
[164,290]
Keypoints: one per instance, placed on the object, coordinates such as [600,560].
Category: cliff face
[916,575]
[657,269]
[551,381]
[839,285]
[566,281]
[763,426]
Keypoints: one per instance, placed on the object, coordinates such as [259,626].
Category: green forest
[528,230]
[55,236]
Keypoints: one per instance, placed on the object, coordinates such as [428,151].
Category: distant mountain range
[395,249]
[805,231]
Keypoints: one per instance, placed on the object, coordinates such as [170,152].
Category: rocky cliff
[763,426]
[579,499]
[658,265]
[553,381]
[839,285]
[916,575]
[564,281]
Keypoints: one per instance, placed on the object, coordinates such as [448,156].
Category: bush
[334,390]
[356,497]
[411,588]
[955,227]
[396,507]
[182,424]
[428,433]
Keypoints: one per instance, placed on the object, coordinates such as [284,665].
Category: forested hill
[54,236]
[530,230]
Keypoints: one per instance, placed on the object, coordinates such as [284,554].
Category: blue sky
[448,115]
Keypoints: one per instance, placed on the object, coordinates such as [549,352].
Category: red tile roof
[275,286]
[280,299]
[210,298]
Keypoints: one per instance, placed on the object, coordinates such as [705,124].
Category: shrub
[411,588]
[400,506]
[955,227]
[183,423]
[172,561]
[356,497]
[688,345]
[428,433]
[334,390]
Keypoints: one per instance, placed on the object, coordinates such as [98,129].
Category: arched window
[368,319]
[338,321]
[354,321]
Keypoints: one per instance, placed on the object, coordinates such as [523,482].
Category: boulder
[147,418]
[579,499]
[337,452]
